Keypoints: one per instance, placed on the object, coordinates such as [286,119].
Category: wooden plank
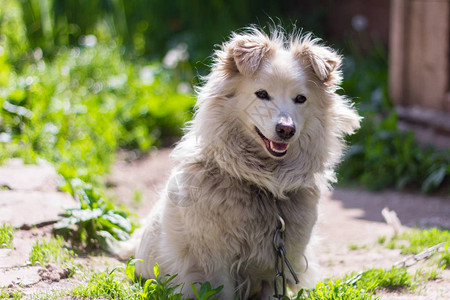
[397,45]
[427,60]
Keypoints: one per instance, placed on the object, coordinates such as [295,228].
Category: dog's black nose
[285,128]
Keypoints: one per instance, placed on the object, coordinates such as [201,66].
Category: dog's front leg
[266,290]
[219,278]
[223,278]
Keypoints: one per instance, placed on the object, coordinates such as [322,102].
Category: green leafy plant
[50,251]
[161,287]
[6,235]
[381,155]
[206,291]
[96,223]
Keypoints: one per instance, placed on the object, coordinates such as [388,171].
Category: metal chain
[281,260]
[405,263]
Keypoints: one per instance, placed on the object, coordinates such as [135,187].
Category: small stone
[25,209]
[14,175]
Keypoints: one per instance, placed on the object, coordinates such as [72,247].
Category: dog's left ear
[324,62]
[244,53]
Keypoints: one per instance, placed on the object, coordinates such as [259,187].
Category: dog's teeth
[275,149]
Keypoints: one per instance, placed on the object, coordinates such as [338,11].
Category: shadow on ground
[413,210]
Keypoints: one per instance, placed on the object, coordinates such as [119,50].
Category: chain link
[281,260]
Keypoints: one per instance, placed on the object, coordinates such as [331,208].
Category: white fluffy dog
[267,133]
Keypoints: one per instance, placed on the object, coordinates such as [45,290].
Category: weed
[43,252]
[137,196]
[6,236]
[381,240]
[353,247]
[96,222]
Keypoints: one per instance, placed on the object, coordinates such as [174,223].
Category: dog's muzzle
[277,149]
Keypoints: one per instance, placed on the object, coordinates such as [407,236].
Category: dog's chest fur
[239,220]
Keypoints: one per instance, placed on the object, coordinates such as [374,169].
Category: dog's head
[269,112]
[281,87]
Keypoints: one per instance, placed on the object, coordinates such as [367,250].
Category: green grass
[104,285]
[427,274]
[444,259]
[7,293]
[11,294]
[418,240]
[362,286]
[6,236]
[381,240]
[333,289]
[50,251]
[121,283]
[415,241]
[355,247]
[137,196]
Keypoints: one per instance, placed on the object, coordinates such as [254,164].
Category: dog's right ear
[244,53]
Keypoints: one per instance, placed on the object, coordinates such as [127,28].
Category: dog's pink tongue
[279,146]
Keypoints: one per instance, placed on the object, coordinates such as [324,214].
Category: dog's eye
[300,99]
[262,94]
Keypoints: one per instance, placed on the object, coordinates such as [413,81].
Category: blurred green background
[80,80]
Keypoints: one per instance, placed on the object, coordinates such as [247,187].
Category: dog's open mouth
[275,148]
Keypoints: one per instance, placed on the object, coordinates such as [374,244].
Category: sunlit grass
[50,251]
[11,294]
[6,235]
[416,240]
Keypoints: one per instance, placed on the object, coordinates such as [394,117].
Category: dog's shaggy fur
[238,169]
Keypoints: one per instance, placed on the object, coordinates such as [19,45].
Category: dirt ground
[349,226]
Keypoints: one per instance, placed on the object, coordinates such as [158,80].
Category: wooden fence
[419,54]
